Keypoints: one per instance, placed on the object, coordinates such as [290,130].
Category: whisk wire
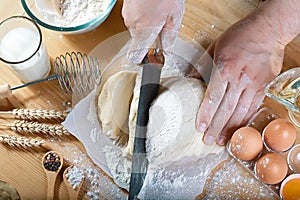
[77,72]
[84,80]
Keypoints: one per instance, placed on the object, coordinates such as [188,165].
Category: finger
[125,11]
[171,27]
[168,37]
[223,114]
[237,116]
[169,34]
[141,40]
[203,67]
[256,103]
[212,99]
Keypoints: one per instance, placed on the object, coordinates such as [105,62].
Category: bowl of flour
[69,16]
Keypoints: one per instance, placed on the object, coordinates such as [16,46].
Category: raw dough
[127,152]
[171,133]
[113,106]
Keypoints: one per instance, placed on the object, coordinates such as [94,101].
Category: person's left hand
[151,20]
[246,57]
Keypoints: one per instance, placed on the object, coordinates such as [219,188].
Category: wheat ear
[33,114]
[23,126]
[20,141]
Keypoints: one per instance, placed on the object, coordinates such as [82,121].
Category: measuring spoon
[77,181]
[52,163]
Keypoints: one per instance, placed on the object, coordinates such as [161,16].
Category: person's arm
[247,57]
[283,17]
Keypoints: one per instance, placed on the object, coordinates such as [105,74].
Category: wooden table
[204,21]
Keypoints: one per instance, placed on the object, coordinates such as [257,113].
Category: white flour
[242,186]
[184,179]
[75,12]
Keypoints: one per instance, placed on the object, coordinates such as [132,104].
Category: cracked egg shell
[246,143]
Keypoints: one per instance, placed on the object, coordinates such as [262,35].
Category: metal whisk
[75,72]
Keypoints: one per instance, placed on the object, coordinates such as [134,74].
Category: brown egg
[271,168]
[279,135]
[246,143]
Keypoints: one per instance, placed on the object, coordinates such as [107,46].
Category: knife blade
[152,65]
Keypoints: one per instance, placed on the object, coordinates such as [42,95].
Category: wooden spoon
[52,163]
[75,188]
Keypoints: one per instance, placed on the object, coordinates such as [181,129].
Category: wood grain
[203,22]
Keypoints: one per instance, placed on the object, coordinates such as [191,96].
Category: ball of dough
[171,132]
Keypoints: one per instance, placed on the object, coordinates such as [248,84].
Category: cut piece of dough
[127,152]
[113,105]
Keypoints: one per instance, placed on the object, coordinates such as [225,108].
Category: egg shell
[246,143]
[271,168]
[279,135]
[290,187]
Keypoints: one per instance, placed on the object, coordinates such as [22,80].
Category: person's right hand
[147,20]
[247,57]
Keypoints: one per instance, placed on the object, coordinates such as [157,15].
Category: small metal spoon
[52,163]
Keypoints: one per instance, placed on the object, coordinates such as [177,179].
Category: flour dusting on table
[183,179]
[232,179]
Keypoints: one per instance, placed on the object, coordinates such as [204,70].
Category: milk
[18,45]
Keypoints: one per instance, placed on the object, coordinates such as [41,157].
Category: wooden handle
[51,175]
[51,185]
[73,194]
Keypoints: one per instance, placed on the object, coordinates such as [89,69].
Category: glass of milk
[21,47]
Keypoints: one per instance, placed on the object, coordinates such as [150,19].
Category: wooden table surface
[204,21]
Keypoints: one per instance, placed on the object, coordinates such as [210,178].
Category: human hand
[246,57]
[146,20]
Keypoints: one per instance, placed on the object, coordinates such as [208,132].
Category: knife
[152,64]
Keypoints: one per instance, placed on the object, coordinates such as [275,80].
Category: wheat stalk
[20,141]
[33,114]
[23,126]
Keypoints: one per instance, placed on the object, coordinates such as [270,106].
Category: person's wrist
[275,29]
[272,31]
[281,18]
[265,33]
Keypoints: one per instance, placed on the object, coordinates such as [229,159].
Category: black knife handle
[148,92]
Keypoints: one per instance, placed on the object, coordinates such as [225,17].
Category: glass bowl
[285,89]
[50,17]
